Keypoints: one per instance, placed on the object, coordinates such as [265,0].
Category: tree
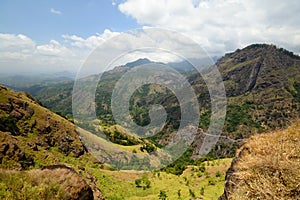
[202,191]
[179,193]
[143,182]
[192,194]
[138,182]
[162,195]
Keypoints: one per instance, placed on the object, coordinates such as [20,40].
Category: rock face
[257,67]
[9,149]
[267,166]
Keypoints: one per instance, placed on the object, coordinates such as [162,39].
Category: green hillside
[262,86]
[41,156]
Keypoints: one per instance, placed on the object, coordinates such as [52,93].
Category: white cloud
[57,12]
[222,26]
[19,53]
[15,47]
[90,42]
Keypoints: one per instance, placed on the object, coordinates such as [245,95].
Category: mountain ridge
[262,84]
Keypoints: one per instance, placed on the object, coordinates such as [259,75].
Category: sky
[58,35]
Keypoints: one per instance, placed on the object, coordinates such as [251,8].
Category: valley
[257,151]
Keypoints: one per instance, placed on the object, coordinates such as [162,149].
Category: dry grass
[23,185]
[268,166]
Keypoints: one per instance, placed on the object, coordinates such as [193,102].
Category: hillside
[263,89]
[262,86]
[42,157]
[31,137]
[267,166]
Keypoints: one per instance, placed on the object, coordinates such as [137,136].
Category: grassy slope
[268,166]
[113,184]
[121,184]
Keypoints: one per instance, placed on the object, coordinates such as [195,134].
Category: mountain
[262,85]
[19,82]
[181,66]
[138,62]
[266,167]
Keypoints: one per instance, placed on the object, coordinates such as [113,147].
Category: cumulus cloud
[221,26]
[15,47]
[90,42]
[57,12]
[19,53]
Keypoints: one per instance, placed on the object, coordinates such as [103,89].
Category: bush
[202,191]
[148,147]
[192,193]
[162,195]
[211,181]
[143,182]
[218,174]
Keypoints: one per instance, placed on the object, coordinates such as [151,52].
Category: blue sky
[54,35]
[46,20]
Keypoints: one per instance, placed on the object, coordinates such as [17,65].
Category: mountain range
[262,84]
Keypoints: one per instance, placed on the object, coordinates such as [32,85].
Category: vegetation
[267,167]
[162,195]
[143,182]
[271,101]
[21,185]
[263,94]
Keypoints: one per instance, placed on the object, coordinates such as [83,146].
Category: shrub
[192,193]
[211,181]
[143,182]
[162,195]
[179,193]
[202,191]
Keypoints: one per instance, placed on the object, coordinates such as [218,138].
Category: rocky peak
[257,67]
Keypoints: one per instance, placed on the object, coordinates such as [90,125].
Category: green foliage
[218,174]
[238,115]
[296,92]
[138,182]
[205,119]
[143,182]
[162,195]
[148,147]
[19,185]
[115,197]
[117,137]
[211,181]
[8,124]
[181,163]
[179,193]
[192,193]
[202,167]
[202,191]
